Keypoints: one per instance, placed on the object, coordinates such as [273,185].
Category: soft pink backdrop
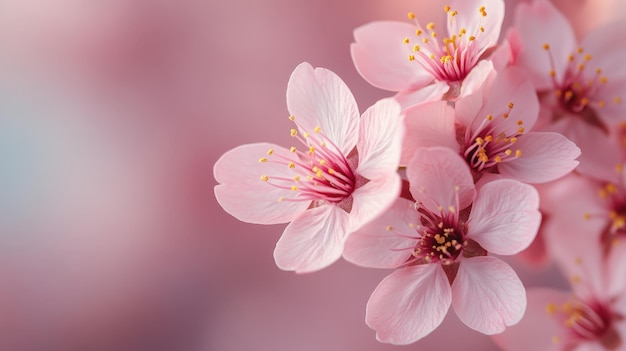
[112,114]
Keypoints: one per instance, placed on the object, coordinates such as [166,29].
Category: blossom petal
[429,93]
[385,242]
[431,124]
[244,195]
[312,241]
[545,157]
[476,79]
[470,17]
[373,198]
[505,216]
[538,330]
[488,295]
[318,97]
[409,304]
[600,43]
[438,177]
[380,139]
[537,24]
[382,58]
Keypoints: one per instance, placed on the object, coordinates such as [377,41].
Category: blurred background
[112,114]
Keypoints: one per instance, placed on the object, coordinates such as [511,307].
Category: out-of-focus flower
[419,63]
[345,176]
[590,317]
[581,84]
[439,246]
[491,129]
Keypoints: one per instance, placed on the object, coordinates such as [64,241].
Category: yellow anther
[405,40]
[305,134]
[513,140]
[294,188]
[462,31]
[263,159]
[505,115]
[432,56]
[430,26]
[411,15]
[601,103]
[418,32]
[520,130]
[489,117]
[293,132]
[508,152]
[586,216]
[281,199]
[480,141]
[617,100]
[482,11]
[317,129]
[511,104]
[292,149]
[604,79]
[311,150]
[587,57]
[265,178]
[581,66]
[598,70]
[482,29]
[551,308]
[489,138]
[270,152]
[619,167]
[445,59]
[569,94]
[296,178]
[411,57]
[584,101]
[518,153]
[319,174]
[331,171]
[425,40]
[497,159]
[611,188]
[570,58]
[416,48]
[580,50]
[471,38]
[520,122]
[322,162]
[546,46]
[446,8]
[292,118]
[552,73]
[388,228]
[291,165]
[451,209]
[454,13]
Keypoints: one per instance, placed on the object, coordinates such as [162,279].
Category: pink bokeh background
[112,114]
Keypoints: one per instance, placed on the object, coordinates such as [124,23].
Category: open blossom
[419,62]
[344,175]
[439,247]
[582,84]
[591,316]
[491,129]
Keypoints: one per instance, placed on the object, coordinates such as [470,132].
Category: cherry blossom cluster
[487,141]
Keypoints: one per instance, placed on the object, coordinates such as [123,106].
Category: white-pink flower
[491,129]
[419,62]
[344,175]
[439,246]
[582,84]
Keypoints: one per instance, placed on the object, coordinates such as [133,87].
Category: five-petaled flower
[344,175]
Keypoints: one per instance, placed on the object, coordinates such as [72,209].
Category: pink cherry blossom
[591,316]
[421,65]
[439,246]
[582,84]
[344,175]
[491,129]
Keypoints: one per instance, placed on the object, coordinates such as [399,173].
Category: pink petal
[244,195]
[312,241]
[318,97]
[386,241]
[593,143]
[380,139]
[600,43]
[538,330]
[616,268]
[469,105]
[470,18]
[409,304]
[510,86]
[545,157]
[488,295]
[505,216]
[438,177]
[382,58]
[477,78]
[431,124]
[428,93]
[537,24]
[374,198]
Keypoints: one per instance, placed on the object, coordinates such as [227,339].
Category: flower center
[452,58]
[321,173]
[614,213]
[441,237]
[492,142]
[586,322]
[578,89]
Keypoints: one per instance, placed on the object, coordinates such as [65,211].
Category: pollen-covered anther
[405,40]
[411,15]
[518,153]
[263,160]
[265,178]
[293,132]
[546,46]
[388,228]
[482,11]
